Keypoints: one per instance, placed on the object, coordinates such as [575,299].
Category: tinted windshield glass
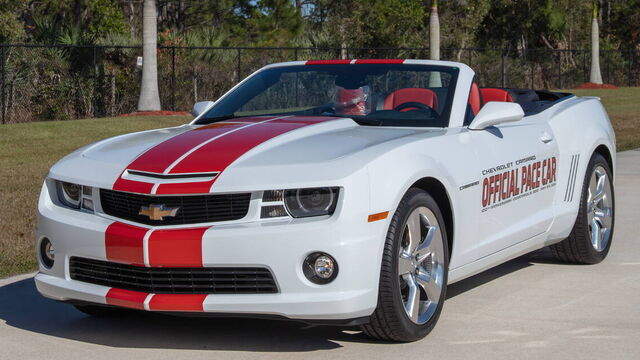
[371,94]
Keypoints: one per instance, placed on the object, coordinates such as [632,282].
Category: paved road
[531,307]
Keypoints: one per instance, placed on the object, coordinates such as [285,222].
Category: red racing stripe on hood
[161,156]
[217,155]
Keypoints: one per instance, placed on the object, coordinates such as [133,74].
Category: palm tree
[149,95]
[596,76]
[434,43]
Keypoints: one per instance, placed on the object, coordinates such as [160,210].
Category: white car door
[517,170]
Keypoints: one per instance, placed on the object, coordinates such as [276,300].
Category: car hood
[233,152]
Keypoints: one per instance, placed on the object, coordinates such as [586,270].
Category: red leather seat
[401,96]
[494,94]
[474,99]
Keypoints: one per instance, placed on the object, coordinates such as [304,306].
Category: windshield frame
[449,68]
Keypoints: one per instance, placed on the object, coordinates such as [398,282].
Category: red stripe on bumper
[176,247]
[124,243]
[126,298]
[177,302]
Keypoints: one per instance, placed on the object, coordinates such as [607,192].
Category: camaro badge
[158,212]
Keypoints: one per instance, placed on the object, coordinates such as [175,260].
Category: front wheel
[414,270]
[590,238]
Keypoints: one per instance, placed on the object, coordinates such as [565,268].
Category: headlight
[311,201]
[74,195]
[69,194]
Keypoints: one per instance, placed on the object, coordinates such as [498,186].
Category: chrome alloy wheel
[421,265]
[599,212]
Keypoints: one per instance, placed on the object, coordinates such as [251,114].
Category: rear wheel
[413,275]
[590,238]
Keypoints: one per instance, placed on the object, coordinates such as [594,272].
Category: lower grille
[216,280]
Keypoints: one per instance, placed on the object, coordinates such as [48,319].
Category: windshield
[371,94]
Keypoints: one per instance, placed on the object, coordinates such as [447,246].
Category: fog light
[47,253]
[320,268]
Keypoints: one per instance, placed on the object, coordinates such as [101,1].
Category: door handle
[546,138]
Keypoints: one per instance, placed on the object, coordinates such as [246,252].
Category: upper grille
[156,280]
[193,209]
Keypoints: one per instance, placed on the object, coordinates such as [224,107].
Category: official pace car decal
[517,179]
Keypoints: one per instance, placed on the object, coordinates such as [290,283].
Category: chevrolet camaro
[346,192]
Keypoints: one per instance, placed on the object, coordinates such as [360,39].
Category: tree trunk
[596,76]
[434,43]
[149,94]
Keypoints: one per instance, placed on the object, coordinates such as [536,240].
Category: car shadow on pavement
[22,307]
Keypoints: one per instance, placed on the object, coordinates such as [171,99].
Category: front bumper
[279,245]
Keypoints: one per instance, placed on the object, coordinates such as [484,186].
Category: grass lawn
[623,106]
[28,150]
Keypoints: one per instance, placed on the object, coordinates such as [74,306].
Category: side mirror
[201,107]
[495,112]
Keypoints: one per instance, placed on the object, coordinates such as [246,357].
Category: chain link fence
[60,82]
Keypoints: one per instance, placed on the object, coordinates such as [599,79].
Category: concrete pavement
[531,307]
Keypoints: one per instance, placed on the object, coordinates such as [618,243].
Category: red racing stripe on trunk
[126,298]
[219,154]
[124,243]
[176,247]
[177,302]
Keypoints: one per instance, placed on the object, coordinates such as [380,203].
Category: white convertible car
[345,192]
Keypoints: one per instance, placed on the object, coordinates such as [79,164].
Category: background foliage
[90,70]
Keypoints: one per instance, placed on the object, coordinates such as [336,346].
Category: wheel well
[439,194]
[604,151]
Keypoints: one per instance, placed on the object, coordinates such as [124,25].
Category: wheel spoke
[404,264]
[596,236]
[592,186]
[415,234]
[429,284]
[600,188]
[424,249]
[413,298]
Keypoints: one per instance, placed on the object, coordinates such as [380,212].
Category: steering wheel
[413,104]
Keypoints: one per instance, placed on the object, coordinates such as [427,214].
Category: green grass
[27,151]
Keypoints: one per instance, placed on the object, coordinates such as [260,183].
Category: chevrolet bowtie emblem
[158,212]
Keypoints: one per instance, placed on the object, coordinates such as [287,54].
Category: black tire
[577,248]
[101,311]
[389,321]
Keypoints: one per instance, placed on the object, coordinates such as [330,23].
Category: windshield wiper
[210,120]
[365,121]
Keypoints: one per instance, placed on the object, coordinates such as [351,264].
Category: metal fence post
[630,59]
[173,78]
[503,75]
[95,83]
[584,65]
[239,64]
[559,70]
[2,63]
